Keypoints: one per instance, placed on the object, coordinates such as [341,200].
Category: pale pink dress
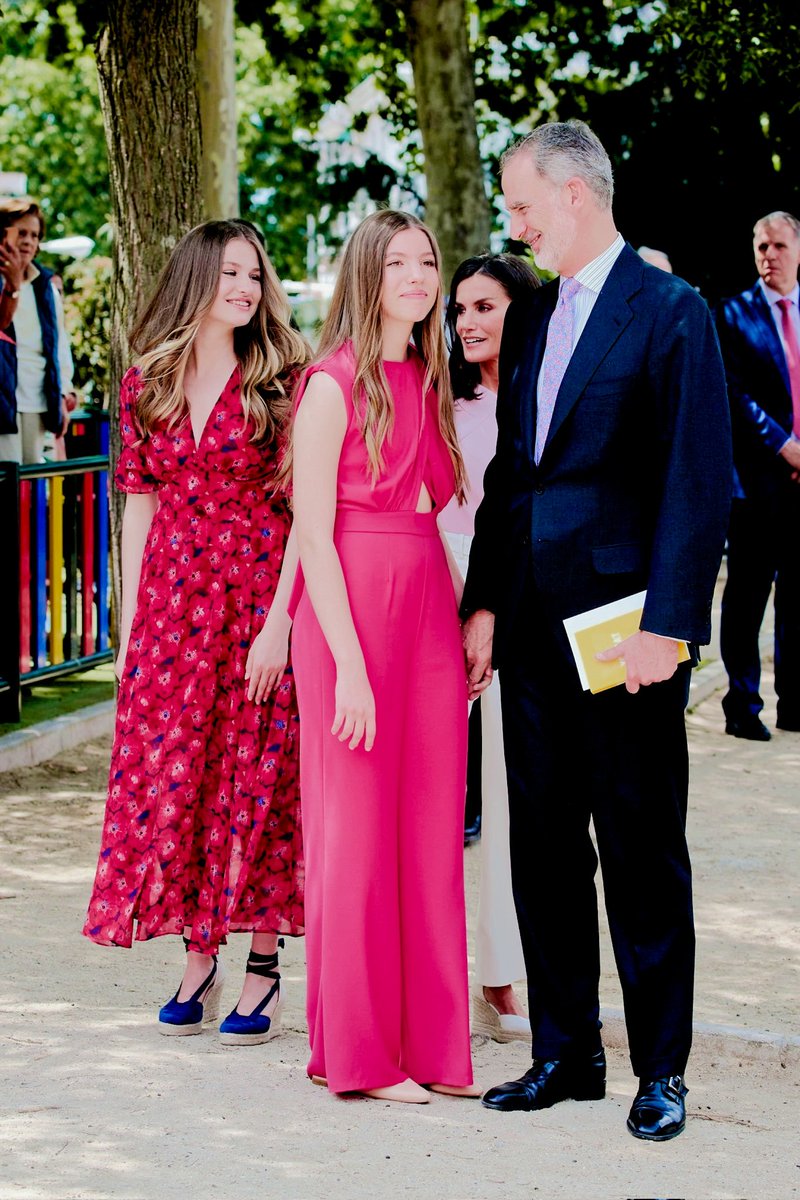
[498,949]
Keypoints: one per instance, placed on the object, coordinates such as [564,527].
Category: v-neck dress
[202,823]
[385,930]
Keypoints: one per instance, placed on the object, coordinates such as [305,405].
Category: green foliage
[692,98]
[754,42]
[87,313]
[696,100]
[294,60]
[51,127]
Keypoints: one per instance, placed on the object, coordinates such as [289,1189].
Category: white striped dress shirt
[591,278]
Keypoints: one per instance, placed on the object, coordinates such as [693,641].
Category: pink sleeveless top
[414,452]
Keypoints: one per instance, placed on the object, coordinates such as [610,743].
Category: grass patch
[44,701]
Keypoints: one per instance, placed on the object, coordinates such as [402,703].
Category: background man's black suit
[765,518]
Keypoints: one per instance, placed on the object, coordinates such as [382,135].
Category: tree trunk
[146,62]
[457,208]
[216,69]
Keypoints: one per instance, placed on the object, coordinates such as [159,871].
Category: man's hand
[477,633]
[791,452]
[648,659]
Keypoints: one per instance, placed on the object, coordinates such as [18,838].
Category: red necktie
[792,349]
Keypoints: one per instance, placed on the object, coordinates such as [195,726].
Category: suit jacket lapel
[526,372]
[765,332]
[608,318]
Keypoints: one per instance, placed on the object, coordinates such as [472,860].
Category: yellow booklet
[598,629]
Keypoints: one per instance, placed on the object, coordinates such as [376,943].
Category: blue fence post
[65,554]
[10,692]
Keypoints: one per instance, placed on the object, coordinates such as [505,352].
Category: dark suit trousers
[762,548]
[620,760]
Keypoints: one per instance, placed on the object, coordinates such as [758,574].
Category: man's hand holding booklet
[599,631]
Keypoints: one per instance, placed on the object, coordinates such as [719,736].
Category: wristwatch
[11,295]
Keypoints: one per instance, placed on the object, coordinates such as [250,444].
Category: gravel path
[96,1105]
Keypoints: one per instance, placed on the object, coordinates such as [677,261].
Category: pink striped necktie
[557,354]
[792,349]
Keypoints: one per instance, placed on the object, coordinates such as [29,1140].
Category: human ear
[576,191]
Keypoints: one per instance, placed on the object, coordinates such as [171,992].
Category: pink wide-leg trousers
[383,831]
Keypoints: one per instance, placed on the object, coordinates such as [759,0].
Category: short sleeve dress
[202,825]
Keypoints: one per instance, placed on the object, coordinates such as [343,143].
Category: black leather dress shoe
[790,724]
[659,1112]
[750,727]
[548,1081]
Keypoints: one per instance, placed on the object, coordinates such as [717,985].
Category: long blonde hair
[269,351]
[355,316]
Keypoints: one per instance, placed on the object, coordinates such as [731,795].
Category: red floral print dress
[202,824]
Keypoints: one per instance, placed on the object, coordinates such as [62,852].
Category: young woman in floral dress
[201,835]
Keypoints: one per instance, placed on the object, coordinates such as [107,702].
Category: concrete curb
[718,1041]
[29,747]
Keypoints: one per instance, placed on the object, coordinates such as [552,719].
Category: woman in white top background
[36,364]
[481,291]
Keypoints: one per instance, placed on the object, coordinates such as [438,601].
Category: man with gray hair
[612,477]
[760,336]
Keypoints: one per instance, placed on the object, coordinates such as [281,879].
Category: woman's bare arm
[320,427]
[140,508]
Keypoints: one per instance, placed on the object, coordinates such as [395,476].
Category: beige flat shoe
[406,1092]
[500,1027]
[471,1092]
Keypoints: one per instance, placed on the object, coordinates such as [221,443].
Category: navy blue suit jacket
[634,484]
[759,393]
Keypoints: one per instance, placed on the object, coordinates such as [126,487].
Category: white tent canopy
[71,247]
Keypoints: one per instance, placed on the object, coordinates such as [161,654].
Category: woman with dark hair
[201,834]
[482,289]
[35,359]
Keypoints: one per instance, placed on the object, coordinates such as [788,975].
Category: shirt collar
[594,274]
[32,273]
[773,297]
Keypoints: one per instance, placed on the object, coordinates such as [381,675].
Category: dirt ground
[96,1105]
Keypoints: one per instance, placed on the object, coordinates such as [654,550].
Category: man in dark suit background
[612,475]
[760,336]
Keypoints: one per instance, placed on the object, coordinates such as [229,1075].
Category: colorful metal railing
[54,606]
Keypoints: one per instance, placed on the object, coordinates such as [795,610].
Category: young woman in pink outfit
[381,683]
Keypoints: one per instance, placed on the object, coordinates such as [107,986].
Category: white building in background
[345,138]
[350,133]
[12,184]
[339,142]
